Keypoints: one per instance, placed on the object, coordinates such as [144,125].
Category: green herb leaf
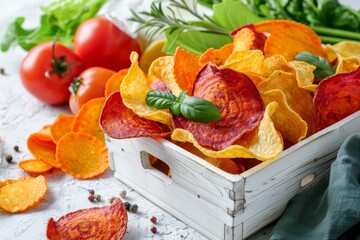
[60,18]
[175,108]
[323,67]
[199,110]
[192,108]
[160,99]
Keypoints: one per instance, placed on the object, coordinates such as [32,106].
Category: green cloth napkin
[331,208]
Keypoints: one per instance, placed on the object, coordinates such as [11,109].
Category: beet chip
[109,222]
[336,98]
[238,100]
[120,122]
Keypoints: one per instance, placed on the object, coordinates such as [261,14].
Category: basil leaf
[199,110]
[323,67]
[160,99]
[175,108]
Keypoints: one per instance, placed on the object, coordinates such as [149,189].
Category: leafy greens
[60,18]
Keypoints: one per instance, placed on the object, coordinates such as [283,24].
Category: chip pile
[265,96]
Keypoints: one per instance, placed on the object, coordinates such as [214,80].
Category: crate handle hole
[308,179]
[155,166]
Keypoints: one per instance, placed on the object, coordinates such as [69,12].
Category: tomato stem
[74,86]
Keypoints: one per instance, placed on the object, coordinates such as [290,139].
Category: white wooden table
[20,115]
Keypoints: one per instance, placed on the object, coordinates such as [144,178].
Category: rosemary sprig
[157,21]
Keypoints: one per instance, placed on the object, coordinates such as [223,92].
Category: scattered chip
[22,194]
[82,155]
[216,56]
[61,126]
[114,82]
[336,98]
[134,89]
[239,102]
[87,119]
[117,121]
[186,66]
[105,223]
[289,38]
[43,148]
[35,166]
[291,126]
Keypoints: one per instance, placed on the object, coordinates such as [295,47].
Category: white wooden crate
[218,204]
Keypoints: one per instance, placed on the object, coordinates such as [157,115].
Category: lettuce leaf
[60,18]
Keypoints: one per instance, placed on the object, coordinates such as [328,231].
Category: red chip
[337,97]
[118,121]
[109,222]
[238,100]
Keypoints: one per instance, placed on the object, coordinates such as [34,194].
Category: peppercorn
[2,71]
[153,229]
[98,197]
[112,199]
[153,219]
[91,197]
[127,205]
[91,191]
[16,148]
[133,208]
[123,194]
[9,158]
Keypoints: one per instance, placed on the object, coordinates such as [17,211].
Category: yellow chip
[291,126]
[134,89]
[304,75]
[43,148]
[274,63]
[265,144]
[87,120]
[299,99]
[22,194]
[347,64]
[82,155]
[61,126]
[347,48]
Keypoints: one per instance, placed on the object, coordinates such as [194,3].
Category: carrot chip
[87,119]
[114,82]
[61,126]
[216,56]
[82,155]
[35,166]
[22,194]
[105,223]
[118,121]
[42,147]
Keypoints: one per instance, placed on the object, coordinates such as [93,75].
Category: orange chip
[61,126]
[186,67]
[105,223]
[289,38]
[87,119]
[43,148]
[22,194]
[114,82]
[299,99]
[35,166]
[82,155]
[118,121]
[216,56]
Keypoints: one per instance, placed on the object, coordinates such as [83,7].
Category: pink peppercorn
[153,219]
[153,229]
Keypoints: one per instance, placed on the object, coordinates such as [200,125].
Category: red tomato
[46,79]
[90,84]
[101,44]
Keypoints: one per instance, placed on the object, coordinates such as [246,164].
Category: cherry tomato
[90,84]
[48,70]
[102,44]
